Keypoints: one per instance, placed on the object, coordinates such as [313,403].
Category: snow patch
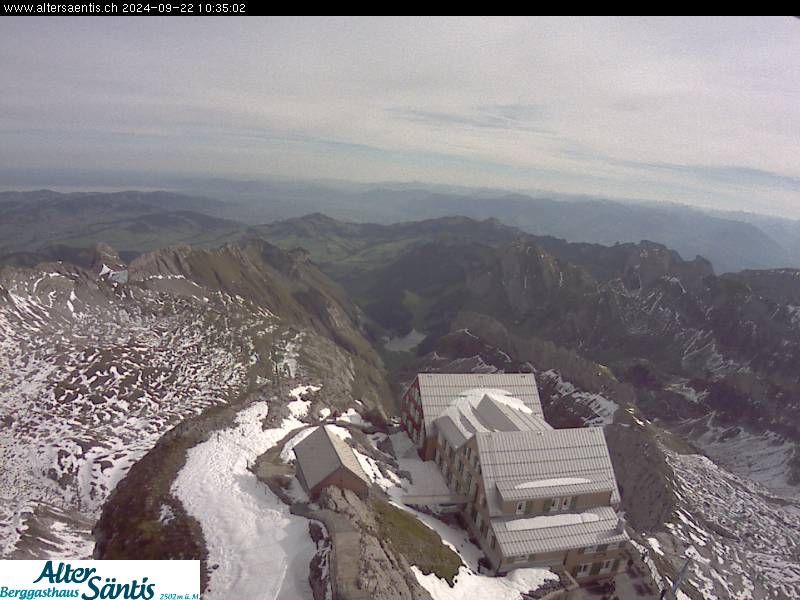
[351,416]
[262,550]
[475,395]
[469,584]
[405,343]
[545,521]
[299,407]
[655,545]
[540,483]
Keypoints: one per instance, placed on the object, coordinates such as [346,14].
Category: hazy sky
[699,111]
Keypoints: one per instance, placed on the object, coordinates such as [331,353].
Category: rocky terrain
[712,356]
[741,536]
[95,371]
[127,386]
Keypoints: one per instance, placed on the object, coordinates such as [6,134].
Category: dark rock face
[364,566]
[643,476]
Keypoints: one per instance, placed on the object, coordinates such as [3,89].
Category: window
[531,557]
[520,508]
[518,559]
[492,541]
[554,504]
[590,549]
[583,570]
[565,502]
[606,566]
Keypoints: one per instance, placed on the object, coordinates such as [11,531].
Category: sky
[700,111]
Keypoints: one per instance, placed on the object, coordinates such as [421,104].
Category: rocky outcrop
[363,566]
[104,255]
[643,476]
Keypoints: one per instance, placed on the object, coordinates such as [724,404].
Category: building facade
[535,496]
[429,395]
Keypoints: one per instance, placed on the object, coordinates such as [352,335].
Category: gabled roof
[439,390]
[513,462]
[322,453]
[555,533]
[467,416]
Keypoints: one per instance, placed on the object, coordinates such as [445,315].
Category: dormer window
[520,508]
[560,504]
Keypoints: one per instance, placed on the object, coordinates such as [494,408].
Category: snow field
[262,551]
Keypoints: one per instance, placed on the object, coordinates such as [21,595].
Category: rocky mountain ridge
[93,371]
[717,351]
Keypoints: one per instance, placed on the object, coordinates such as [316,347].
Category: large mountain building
[532,495]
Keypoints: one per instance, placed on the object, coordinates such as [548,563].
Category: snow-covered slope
[746,540]
[249,532]
[765,457]
[92,373]
[601,409]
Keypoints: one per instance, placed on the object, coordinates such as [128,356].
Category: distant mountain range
[142,221]
[45,225]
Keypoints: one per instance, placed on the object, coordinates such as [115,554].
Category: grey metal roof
[509,490]
[468,416]
[439,390]
[323,452]
[514,457]
[559,537]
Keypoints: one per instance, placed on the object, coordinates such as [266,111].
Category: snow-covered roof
[322,453]
[555,533]
[512,460]
[439,390]
[471,413]
[555,487]
[544,521]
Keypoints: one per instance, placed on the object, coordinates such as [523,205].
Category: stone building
[323,459]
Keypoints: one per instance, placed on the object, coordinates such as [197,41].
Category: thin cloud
[699,111]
